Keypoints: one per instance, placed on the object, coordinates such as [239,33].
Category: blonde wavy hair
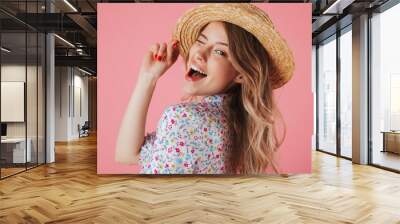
[251,109]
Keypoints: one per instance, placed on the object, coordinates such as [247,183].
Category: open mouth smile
[195,74]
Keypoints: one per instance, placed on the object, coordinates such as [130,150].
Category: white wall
[71,93]
[80,84]
[9,73]
[15,72]
[61,103]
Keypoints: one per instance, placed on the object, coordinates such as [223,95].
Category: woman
[234,59]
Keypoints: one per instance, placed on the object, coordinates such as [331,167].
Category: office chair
[84,130]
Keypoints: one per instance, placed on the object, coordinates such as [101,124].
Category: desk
[391,141]
[16,147]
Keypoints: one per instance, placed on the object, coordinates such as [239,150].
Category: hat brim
[248,17]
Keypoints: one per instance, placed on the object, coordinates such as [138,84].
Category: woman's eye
[222,53]
[199,41]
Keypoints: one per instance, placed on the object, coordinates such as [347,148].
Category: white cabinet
[18,149]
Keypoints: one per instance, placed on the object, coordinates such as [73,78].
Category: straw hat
[248,17]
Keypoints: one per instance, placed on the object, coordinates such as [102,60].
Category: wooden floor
[10,171]
[70,191]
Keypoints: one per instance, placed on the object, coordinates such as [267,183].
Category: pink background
[125,32]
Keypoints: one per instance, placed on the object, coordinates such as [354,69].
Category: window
[385,88]
[346,75]
[327,95]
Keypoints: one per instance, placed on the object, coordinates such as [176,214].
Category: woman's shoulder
[192,109]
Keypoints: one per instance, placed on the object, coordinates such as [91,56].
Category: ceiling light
[5,50]
[64,40]
[338,6]
[84,71]
[70,5]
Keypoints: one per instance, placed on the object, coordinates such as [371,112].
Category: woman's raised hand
[158,60]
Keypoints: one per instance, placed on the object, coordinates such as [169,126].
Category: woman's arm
[132,129]
[131,133]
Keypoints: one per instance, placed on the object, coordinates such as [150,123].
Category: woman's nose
[201,55]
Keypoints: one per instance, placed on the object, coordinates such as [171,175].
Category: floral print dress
[191,138]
